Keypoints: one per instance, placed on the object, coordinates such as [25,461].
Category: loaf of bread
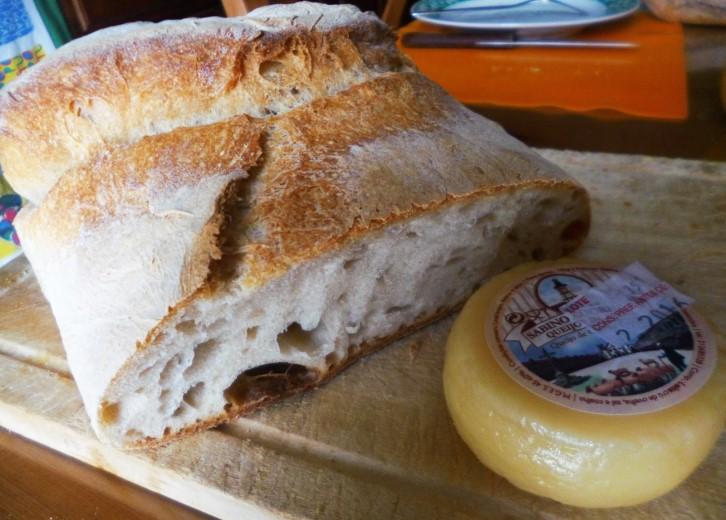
[690,11]
[226,212]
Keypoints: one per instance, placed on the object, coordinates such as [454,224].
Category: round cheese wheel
[572,456]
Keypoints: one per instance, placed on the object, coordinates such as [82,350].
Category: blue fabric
[14,21]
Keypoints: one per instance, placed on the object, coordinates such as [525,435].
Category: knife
[501,41]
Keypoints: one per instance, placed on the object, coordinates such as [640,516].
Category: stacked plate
[526,17]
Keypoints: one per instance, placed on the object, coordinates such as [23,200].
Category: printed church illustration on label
[552,353]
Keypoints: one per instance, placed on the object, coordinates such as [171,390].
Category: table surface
[36,482]
[701,136]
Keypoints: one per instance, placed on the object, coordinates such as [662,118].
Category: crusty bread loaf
[690,11]
[199,271]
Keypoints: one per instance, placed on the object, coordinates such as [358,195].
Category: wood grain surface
[46,484]
[377,442]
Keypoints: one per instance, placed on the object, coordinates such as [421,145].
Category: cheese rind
[574,457]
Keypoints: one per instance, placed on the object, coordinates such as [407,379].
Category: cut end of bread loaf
[226,354]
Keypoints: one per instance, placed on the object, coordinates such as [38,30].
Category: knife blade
[505,41]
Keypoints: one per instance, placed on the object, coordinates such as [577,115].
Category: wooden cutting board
[376,442]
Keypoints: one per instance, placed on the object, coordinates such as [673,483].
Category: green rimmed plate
[526,17]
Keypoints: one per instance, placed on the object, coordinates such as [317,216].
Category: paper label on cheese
[615,307]
[600,340]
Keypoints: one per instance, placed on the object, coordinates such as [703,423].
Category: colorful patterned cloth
[11,68]
[28,31]
[10,204]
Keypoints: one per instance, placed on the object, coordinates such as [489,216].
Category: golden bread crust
[127,82]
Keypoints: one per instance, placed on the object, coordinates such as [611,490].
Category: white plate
[526,17]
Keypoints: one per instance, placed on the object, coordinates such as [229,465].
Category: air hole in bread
[215,327]
[193,396]
[271,70]
[351,327]
[348,264]
[381,278]
[168,370]
[487,217]
[453,260]
[265,381]
[296,338]
[186,327]
[202,353]
[574,231]
[397,308]
[548,203]
[412,234]
[251,334]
